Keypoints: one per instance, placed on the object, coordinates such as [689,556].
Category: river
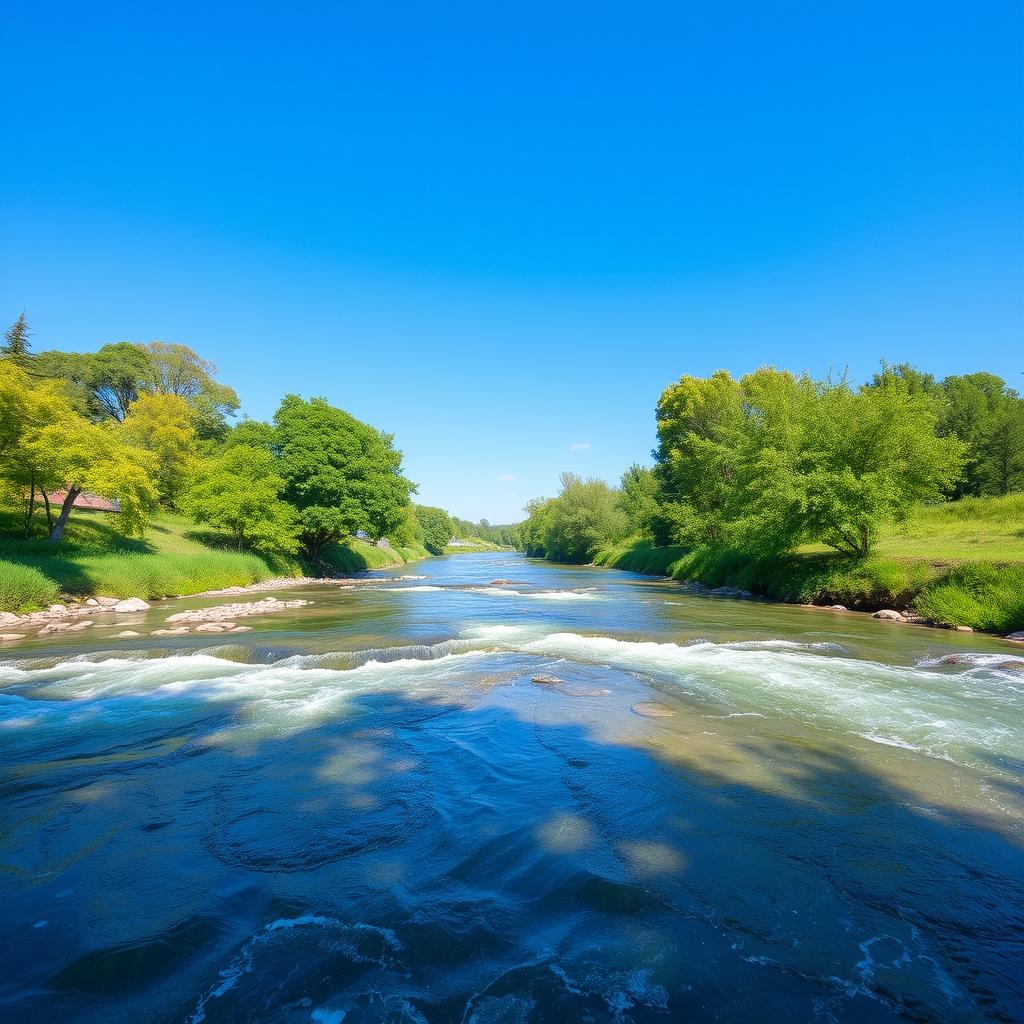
[368,810]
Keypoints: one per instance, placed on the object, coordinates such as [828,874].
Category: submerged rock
[1019,637]
[543,680]
[125,634]
[889,614]
[653,709]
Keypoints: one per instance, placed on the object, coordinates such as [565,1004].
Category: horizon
[484,245]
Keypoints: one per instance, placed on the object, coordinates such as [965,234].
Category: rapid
[581,795]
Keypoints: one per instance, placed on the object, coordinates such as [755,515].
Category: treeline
[149,426]
[506,535]
[773,461]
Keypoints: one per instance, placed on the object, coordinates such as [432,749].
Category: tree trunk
[49,511]
[31,505]
[65,511]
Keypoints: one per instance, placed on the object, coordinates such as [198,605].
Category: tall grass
[23,588]
[981,595]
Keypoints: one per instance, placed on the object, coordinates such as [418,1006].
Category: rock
[12,636]
[92,602]
[57,609]
[106,602]
[890,614]
[952,659]
[501,583]
[214,627]
[131,604]
[1018,637]
[964,629]
[9,619]
[241,629]
[652,709]
[127,633]
[1003,666]
[839,608]
[547,680]
[177,631]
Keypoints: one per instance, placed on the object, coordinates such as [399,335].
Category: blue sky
[500,231]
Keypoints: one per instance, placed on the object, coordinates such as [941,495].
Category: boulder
[177,631]
[214,627]
[57,609]
[9,619]
[12,636]
[106,602]
[131,604]
[1010,666]
[1019,637]
[890,614]
[92,602]
[839,608]
[127,633]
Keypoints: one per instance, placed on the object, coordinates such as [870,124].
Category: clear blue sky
[500,230]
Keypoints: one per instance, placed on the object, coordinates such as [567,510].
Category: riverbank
[981,595]
[175,558]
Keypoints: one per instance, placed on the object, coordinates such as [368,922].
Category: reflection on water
[370,811]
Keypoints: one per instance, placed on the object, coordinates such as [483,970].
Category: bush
[23,588]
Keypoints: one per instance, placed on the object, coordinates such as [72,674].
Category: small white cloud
[507,476]
[579,446]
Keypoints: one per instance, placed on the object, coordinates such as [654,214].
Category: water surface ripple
[369,810]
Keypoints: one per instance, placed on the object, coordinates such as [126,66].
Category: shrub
[24,588]
[981,595]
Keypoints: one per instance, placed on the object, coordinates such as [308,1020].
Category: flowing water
[368,810]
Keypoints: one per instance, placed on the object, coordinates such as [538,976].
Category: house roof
[86,500]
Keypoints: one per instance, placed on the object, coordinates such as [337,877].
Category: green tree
[340,474]
[438,528]
[240,491]
[162,425]
[76,455]
[585,517]
[177,370]
[16,344]
[408,533]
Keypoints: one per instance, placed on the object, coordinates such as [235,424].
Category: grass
[175,557]
[468,545]
[356,555]
[956,564]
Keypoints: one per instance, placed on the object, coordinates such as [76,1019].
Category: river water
[367,810]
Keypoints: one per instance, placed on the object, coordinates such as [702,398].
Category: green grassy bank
[467,545]
[175,557]
[956,564]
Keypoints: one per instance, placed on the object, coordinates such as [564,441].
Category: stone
[9,619]
[131,604]
[839,608]
[92,602]
[57,609]
[214,627]
[652,709]
[177,631]
[12,636]
[1018,637]
[890,614]
[964,629]
[127,633]
[241,629]
[543,680]
[106,602]
[1010,666]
